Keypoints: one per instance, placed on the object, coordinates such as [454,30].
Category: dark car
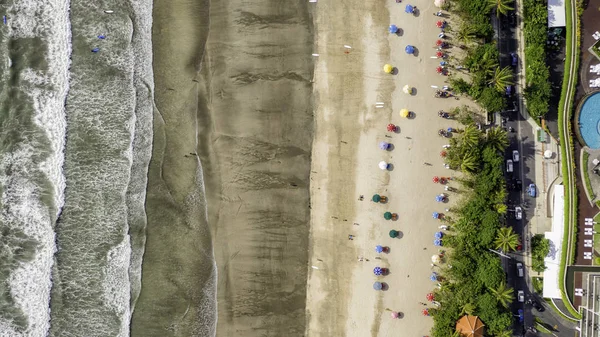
[537,306]
[520,315]
[514,60]
[508,90]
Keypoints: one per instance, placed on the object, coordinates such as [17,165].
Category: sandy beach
[348,82]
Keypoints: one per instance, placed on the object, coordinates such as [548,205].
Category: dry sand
[341,300]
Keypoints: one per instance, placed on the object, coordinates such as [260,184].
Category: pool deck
[589,25]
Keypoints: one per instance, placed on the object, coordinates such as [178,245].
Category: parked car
[519,184]
[531,190]
[514,59]
[515,155]
[508,90]
[537,306]
[509,166]
[518,213]
[520,269]
[521,316]
[521,296]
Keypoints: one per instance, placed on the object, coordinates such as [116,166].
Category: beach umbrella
[387,215]
[407,89]
[438,235]
[450,129]
[395,315]
[436,215]
[391,128]
[376,198]
[377,286]
[404,113]
[439,42]
[425,312]
[379,249]
[439,69]
[409,49]
[394,234]
[383,165]
[409,9]
[393,29]
[435,258]
[388,68]
[377,271]
[430,297]
[433,276]
[384,145]
[439,54]
[436,179]
[439,198]
[439,24]
[437,242]
[443,154]
[548,154]
[439,3]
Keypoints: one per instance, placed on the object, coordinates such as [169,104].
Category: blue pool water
[589,121]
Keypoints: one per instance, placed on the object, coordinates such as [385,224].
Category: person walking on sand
[350,237]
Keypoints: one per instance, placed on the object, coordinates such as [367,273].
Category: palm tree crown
[501,6]
[501,78]
[504,295]
[497,138]
[506,239]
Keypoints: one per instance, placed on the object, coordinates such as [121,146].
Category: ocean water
[75,143]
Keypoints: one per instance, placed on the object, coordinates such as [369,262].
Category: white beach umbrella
[439,3]
[383,165]
[435,258]
[407,89]
[548,154]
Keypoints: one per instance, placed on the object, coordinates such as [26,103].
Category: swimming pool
[589,121]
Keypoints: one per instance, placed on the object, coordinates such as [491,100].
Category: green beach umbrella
[387,215]
[394,234]
[376,198]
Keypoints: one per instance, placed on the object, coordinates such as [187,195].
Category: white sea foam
[30,284]
[116,283]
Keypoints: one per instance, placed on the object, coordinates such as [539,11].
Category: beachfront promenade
[348,84]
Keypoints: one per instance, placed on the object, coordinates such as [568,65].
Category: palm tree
[501,208]
[505,333]
[469,163]
[468,309]
[501,6]
[466,33]
[501,78]
[504,295]
[497,138]
[506,239]
[470,137]
[487,63]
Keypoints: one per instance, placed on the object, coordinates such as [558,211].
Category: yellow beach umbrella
[404,113]
[388,68]
[407,89]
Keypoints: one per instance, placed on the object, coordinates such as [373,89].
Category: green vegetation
[476,282]
[586,175]
[537,87]
[538,285]
[501,6]
[540,247]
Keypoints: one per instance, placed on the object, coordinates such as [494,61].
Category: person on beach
[350,237]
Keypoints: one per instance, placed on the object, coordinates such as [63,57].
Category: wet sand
[255,150]
[235,88]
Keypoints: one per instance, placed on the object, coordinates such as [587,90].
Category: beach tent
[388,68]
[393,29]
[409,49]
[470,326]
[404,113]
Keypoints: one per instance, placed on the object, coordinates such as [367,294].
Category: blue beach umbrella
[436,215]
[101,37]
[433,277]
[438,235]
[377,286]
[95,50]
[409,9]
[409,49]
[450,129]
[437,242]
[377,271]
[393,29]
[439,198]
[378,249]
[384,145]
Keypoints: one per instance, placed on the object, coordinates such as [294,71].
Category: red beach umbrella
[430,297]
[439,54]
[439,69]
[425,312]
[436,179]
[443,154]
[439,24]
[395,314]
[391,127]
[439,42]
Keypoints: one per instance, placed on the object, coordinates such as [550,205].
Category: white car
[520,269]
[515,156]
[509,166]
[521,296]
[518,213]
